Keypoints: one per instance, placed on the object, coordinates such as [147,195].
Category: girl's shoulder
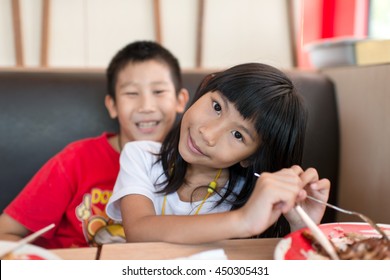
[143,146]
[240,184]
[145,152]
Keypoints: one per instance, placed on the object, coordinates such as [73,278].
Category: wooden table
[239,249]
[88,253]
[244,249]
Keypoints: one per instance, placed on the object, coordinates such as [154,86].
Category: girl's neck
[195,173]
[201,177]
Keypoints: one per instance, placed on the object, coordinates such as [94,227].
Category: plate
[295,247]
[30,252]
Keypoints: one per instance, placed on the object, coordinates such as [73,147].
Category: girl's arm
[274,194]
[141,224]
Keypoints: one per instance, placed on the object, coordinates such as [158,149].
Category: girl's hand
[274,194]
[313,187]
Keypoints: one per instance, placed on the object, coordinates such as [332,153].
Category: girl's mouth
[193,147]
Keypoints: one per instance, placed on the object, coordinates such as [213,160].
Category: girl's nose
[147,103]
[209,133]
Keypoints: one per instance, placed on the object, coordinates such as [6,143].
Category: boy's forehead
[151,69]
[147,73]
[146,62]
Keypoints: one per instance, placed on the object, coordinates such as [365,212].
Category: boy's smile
[146,102]
[147,127]
[147,124]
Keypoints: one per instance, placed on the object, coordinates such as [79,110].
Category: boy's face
[146,103]
[214,134]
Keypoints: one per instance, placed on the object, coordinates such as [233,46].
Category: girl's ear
[182,99]
[245,163]
[111,106]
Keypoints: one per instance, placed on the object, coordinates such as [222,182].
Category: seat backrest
[322,146]
[41,112]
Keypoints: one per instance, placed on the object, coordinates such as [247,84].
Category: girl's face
[214,134]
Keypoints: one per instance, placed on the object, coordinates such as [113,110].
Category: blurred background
[201,33]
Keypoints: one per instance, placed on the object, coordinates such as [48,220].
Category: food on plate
[351,246]
[25,252]
[13,256]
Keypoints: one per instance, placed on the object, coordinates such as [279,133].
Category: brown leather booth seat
[42,111]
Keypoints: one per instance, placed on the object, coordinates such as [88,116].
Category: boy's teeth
[147,124]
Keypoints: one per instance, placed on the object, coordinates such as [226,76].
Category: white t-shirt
[139,174]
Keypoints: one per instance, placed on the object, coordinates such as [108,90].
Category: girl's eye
[217,107]
[237,135]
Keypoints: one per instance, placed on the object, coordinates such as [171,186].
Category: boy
[72,189]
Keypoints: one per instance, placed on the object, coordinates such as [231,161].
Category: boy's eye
[131,93]
[237,135]
[217,107]
[158,91]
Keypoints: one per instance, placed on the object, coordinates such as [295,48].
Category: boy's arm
[10,229]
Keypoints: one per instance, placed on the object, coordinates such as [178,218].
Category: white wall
[87,33]
[246,30]
[7,52]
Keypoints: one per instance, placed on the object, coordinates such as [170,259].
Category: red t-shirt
[70,190]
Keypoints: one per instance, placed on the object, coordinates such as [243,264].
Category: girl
[244,120]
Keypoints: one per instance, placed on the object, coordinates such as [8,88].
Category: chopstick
[316,231]
[25,240]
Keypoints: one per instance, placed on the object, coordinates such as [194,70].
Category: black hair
[141,51]
[266,96]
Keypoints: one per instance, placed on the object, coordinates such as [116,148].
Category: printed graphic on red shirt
[98,228]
